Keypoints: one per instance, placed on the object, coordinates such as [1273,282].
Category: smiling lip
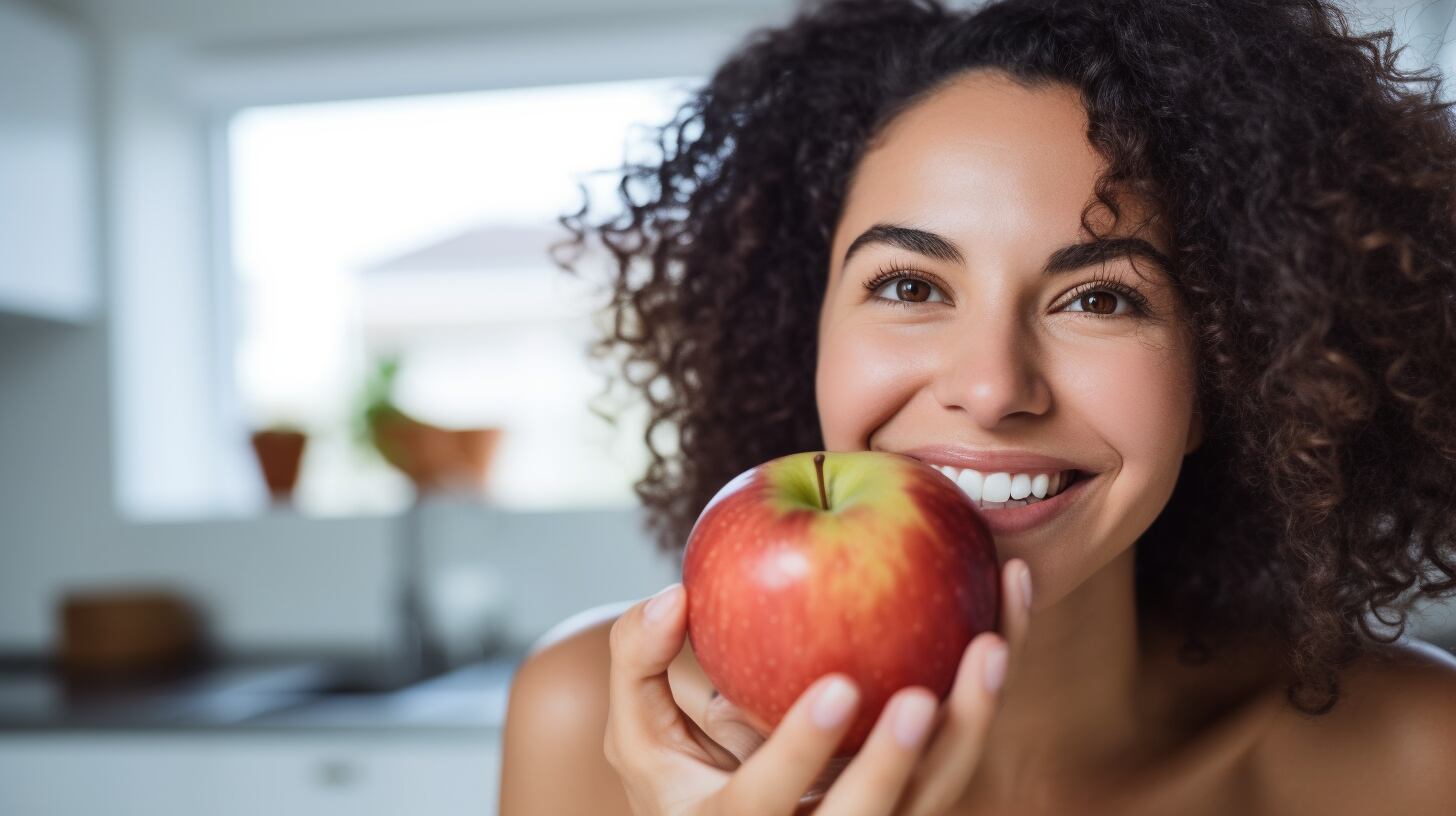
[994,461]
[1009,520]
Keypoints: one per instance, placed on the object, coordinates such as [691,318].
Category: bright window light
[419,228]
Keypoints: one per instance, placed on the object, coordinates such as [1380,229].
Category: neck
[1070,702]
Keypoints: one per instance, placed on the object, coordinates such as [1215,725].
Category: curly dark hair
[1307,182]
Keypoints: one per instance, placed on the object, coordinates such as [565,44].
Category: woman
[1201,253]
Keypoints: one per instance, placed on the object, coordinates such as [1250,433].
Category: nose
[990,370]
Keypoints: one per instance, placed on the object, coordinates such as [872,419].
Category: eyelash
[1139,302]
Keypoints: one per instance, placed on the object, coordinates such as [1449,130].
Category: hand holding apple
[917,758]
[867,563]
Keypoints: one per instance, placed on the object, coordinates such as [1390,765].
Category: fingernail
[1026,585]
[912,718]
[661,603]
[833,703]
[995,666]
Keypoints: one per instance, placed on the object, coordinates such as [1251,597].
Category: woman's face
[989,354]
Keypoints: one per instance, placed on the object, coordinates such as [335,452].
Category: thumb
[644,641]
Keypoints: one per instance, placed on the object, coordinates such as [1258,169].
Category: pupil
[904,292]
[1091,299]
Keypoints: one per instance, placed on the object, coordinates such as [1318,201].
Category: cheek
[1139,400]
[863,377]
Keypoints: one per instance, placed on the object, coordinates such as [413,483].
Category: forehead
[986,161]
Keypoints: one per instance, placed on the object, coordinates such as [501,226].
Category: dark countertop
[260,694]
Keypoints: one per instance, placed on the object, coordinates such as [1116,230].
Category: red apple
[867,563]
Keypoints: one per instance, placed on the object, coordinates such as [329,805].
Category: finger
[729,726]
[1016,598]
[955,748]
[876,779]
[724,751]
[696,701]
[776,776]
[641,710]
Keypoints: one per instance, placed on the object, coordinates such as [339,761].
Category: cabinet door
[231,774]
[47,244]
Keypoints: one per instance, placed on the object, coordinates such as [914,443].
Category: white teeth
[993,491]
[970,481]
[1020,486]
[996,487]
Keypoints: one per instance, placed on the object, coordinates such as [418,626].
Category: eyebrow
[1069,258]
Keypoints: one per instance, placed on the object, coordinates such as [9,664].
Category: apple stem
[819,469]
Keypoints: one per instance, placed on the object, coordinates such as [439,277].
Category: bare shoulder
[554,729]
[1388,745]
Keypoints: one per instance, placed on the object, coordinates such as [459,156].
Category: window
[418,228]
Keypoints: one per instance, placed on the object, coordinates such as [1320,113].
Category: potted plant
[434,458]
[279,449]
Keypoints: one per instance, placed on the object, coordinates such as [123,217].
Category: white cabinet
[231,773]
[47,147]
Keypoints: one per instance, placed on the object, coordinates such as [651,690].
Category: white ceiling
[222,22]
[1423,23]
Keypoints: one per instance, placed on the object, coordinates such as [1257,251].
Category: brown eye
[912,290]
[1108,299]
[1099,301]
[905,290]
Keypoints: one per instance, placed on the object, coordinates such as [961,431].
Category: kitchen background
[233,229]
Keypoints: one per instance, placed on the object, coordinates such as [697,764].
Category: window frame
[189,458]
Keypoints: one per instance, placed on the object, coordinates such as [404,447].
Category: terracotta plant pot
[128,632]
[280,453]
[437,459]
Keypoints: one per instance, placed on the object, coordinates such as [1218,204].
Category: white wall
[46,164]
